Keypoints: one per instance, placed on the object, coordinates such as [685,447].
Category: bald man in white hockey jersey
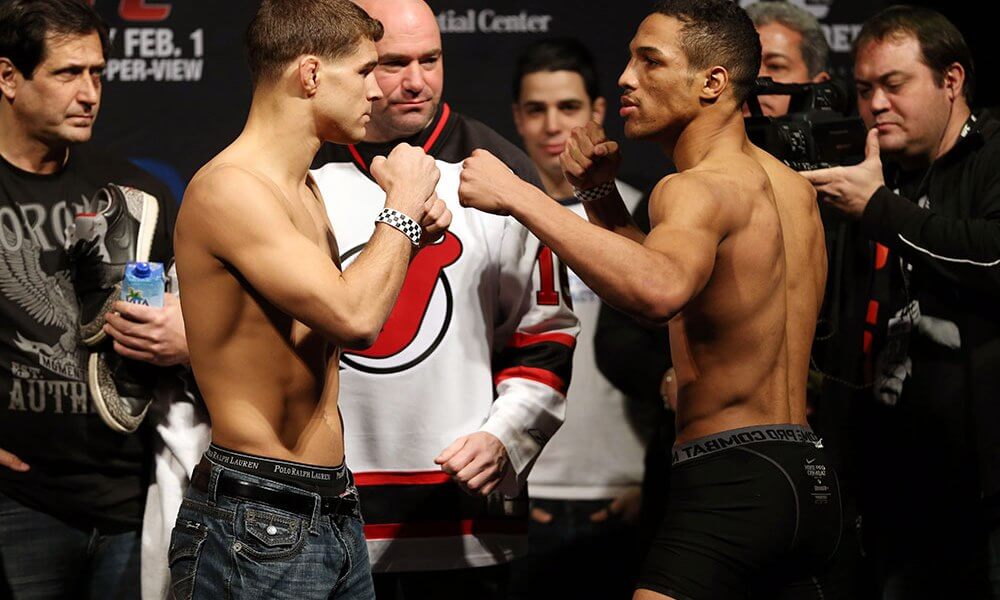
[467,381]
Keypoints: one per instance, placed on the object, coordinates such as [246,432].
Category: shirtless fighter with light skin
[268,304]
[735,264]
[256,258]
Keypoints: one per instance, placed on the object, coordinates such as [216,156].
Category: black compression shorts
[752,513]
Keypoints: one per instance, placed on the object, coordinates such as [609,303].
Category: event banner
[177,86]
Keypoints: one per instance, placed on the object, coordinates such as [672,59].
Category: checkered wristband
[408,226]
[594,193]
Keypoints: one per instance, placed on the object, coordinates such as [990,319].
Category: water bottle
[143,284]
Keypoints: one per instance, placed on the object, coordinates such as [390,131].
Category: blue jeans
[233,548]
[44,558]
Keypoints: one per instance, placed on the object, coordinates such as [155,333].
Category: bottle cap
[142,270]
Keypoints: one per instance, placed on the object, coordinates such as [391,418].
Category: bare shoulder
[789,186]
[735,176]
[224,191]
[682,188]
[224,183]
[225,209]
[693,200]
[732,186]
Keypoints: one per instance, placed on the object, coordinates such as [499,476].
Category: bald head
[410,70]
[402,15]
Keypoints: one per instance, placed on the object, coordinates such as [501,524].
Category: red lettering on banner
[143,10]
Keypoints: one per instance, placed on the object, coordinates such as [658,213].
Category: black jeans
[573,557]
[482,583]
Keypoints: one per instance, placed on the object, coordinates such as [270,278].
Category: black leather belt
[285,500]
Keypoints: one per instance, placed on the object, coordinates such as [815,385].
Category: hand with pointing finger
[849,189]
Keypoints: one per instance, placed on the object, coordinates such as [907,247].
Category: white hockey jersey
[598,453]
[481,338]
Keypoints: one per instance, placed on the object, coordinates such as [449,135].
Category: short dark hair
[284,29]
[941,43]
[718,32]
[24,25]
[557,54]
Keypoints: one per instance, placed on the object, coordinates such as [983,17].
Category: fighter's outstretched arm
[652,280]
[242,222]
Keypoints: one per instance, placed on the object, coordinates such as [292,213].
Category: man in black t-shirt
[71,489]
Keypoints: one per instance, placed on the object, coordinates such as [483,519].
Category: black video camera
[815,134]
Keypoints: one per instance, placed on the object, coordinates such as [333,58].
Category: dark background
[172,127]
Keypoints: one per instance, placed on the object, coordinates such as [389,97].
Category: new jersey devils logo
[421,316]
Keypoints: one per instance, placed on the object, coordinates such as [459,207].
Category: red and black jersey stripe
[546,358]
[431,504]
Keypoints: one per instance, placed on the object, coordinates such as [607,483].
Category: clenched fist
[475,461]
[589,158]
[488,184]
[408,177]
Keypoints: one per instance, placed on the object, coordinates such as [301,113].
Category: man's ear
[599,110]
[308,73]
[9,78]
[715,82]
[954,80]
[821,77]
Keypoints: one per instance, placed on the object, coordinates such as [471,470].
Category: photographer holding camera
[933,210]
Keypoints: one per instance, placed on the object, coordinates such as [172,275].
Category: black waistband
[233,486]
[757,434]
[325,481]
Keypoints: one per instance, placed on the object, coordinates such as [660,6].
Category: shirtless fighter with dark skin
[735,265]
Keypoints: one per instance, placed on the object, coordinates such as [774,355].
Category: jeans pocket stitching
[189,550]
[348,557]
[258,525]
[249,538]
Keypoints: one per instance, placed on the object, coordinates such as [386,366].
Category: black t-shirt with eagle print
[81,472]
